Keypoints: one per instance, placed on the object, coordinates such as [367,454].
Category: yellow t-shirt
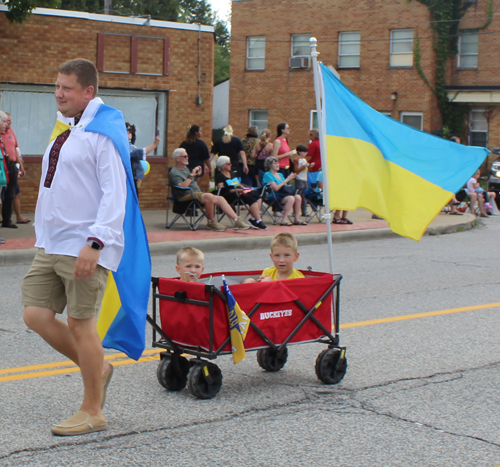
[272,272]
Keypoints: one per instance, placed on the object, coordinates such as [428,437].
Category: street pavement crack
[73,442]
[360,401]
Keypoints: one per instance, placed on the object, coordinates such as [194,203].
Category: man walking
[79,229]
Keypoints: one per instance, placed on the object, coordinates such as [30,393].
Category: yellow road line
[119,359]
[72,369]
[67,363]
[418,315]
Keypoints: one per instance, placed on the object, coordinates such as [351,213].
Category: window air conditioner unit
[297,63]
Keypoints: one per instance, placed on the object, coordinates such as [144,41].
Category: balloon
[146,167]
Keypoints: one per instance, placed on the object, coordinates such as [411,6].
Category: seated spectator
[251,198]
[475,193]
[190,264]
[181,176]
[283,193]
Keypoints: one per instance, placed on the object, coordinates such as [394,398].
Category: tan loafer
[106,378]
[79,424]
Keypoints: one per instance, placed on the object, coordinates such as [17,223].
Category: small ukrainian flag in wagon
[238,324]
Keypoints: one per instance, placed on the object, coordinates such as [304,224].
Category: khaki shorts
[50,284]
[196,194]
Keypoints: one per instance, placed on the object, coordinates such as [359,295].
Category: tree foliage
[196,11]
[186,11]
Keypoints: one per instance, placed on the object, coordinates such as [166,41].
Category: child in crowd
[283,255]
[475,191]
[301,169]
[190,264]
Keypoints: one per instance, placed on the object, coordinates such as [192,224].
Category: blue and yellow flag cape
[238,325]
[397,172]
[122,319]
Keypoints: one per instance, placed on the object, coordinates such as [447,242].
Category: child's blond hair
[285,239]
[190,253]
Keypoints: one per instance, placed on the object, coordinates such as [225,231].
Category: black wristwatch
[94,245]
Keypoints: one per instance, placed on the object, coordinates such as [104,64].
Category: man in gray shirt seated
[181,176]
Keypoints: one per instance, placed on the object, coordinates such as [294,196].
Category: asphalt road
[419,390]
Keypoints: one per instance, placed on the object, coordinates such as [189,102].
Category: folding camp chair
[314,197]
[191,211]
[236,204]
[271,207]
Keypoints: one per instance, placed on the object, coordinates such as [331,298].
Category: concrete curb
[13,257]
[454,228]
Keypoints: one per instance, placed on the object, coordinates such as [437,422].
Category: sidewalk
[20,242]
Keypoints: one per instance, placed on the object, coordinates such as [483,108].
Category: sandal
[345,221]
[337,221]
[24,221]
[300,223]
[286,224]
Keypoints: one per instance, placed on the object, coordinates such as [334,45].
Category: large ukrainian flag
[122,319]
[397,172]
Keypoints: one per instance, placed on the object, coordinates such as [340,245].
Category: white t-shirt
[470,185]
[87,196]
[302,175]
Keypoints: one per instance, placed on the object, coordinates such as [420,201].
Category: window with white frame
[259,118]
[349,49]
[256,52]
[413,119]
[468,48]
[478,128]
[401,48]
[313,120]
[300,45]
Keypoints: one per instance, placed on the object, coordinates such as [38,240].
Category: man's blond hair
[285,239]
[190,253]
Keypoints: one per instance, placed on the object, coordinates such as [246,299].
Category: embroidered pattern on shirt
[54,158]
[54,155]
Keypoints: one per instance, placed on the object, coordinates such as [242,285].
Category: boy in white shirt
[301,169]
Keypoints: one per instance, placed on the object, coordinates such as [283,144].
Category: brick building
[158,73]
[370,44]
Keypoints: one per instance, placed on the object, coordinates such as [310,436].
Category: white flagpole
[318,90]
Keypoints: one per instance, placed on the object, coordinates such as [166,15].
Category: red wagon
[190,319]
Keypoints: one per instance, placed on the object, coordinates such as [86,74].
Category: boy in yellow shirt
[283,254]
[190,264]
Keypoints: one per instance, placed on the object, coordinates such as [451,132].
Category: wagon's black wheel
[172,372]
[204,380]
[269,360]
[331,366]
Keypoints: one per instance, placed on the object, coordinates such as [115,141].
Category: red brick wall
[35,49]
[288,95]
